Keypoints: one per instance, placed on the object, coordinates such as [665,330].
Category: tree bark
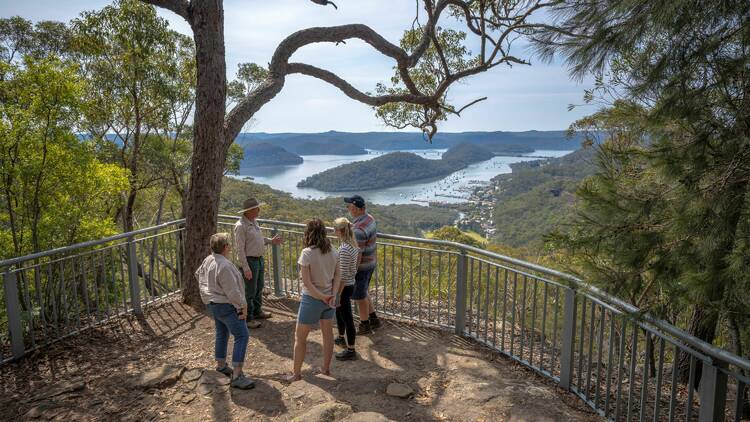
[209,146]
[702,325]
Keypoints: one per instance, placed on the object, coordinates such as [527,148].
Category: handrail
[12,261]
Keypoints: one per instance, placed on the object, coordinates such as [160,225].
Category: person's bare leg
[300,348]
[326,330]
[236,371]
[371,308]
[364,309]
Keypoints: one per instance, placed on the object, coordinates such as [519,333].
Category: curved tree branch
[181,7]
[354,93]
[325,3]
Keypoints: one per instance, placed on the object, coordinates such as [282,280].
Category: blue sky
[520,98]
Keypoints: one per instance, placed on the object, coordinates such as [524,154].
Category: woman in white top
[319,270]
[348,261]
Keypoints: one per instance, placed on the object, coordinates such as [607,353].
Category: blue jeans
[227,321]
[362,284]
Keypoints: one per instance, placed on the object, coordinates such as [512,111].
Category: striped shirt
[365,230]
[348,255]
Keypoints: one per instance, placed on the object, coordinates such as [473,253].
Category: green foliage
[680,185]
[249,77]
[141,77]
[54,191]
[427,76]
[537,198]
[19,38]
[453,234]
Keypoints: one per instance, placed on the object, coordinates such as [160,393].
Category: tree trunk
[702,325]
[209,150]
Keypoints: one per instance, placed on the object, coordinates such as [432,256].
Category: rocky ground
[159,367]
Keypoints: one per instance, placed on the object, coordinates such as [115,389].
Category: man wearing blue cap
[365,230]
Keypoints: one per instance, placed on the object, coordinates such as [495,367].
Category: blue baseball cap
[356,200]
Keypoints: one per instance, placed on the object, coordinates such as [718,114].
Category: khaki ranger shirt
[248,241]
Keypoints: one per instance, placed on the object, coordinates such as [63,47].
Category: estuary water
[452,188]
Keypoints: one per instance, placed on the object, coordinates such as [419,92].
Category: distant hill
[467,153]
[394,169]
[265,154]
[538,197]
[535,140]
[326,148]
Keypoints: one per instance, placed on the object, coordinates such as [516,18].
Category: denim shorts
[312,310]
[362,284]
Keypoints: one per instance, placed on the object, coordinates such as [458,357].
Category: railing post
[179,255]
[568,339]
[13,308]
[461,273]
[135,288]
[276,256]
[713,392]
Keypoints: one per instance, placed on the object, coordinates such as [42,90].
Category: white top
[322,268]
[219,281]
[348,255]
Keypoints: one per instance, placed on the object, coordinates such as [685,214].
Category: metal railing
[622,362]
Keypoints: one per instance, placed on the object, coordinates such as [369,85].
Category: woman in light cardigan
[223,291]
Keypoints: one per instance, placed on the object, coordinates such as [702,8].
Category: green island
[265,154]
[394,169]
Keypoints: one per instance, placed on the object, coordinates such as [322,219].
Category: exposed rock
[214,378]
[325,412]
[161,376]
[192,375]
[187,398]
[205,389]
[396,389]
[60,388]
[366,417]
[40,409]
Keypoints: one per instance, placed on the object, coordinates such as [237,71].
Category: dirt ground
[159,367]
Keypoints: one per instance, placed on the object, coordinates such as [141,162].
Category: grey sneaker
[226,370]
[346,354]
[242,382]
[253,323]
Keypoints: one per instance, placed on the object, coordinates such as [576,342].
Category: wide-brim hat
[249,204]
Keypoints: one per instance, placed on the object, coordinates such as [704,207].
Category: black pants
[344,316]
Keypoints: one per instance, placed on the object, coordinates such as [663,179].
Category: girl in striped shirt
[349,257]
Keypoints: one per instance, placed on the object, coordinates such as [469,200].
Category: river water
[452,188]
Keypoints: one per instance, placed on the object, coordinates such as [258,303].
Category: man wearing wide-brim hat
[250,245]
